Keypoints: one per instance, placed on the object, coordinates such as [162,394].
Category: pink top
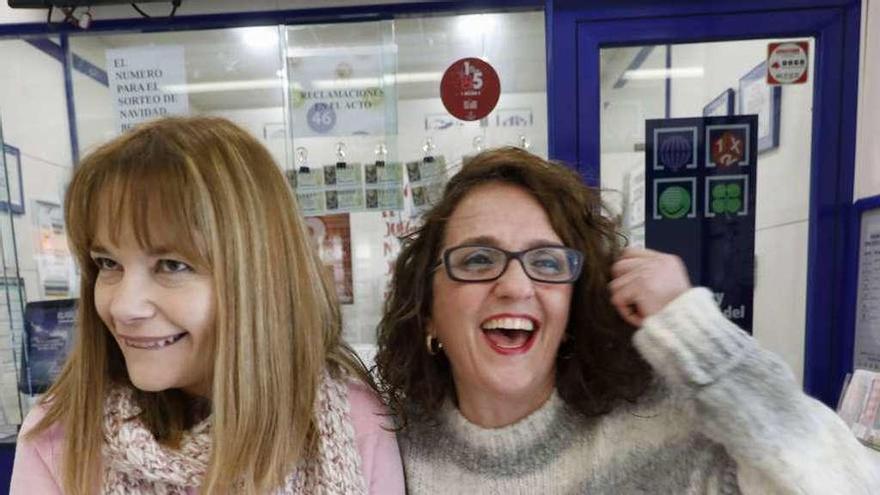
[37,462]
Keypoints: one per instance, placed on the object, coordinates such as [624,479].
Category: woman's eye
[547,265]
[478,260]
[173,266]
[105,264]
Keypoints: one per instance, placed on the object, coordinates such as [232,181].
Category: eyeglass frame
[511,255]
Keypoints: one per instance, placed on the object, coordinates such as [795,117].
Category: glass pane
[322,94]
[235,73]
[395,68]
[721,78]
[35,161]
[253,76]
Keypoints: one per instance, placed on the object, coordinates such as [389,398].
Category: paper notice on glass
[867,334]
[427,178]
[310,203]
[383,186]
[147,82]
[308,183]
[344,188]
[384,199]
[342,91]
[306,179]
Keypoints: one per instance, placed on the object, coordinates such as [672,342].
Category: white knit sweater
[727,418]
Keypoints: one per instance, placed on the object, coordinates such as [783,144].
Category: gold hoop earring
[429,343]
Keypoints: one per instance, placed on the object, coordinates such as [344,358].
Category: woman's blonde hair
[210,191]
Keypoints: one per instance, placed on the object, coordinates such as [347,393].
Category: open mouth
[510,334]
[153,343]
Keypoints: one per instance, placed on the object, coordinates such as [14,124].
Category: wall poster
[55,267]
[331,237]
[48,336]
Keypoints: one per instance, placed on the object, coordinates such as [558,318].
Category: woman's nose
[514,283]
[130,300]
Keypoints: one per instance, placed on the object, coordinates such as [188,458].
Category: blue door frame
[575,35]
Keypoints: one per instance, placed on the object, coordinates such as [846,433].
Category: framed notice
[866,348]
[722,105]
[11,188]
[759,98]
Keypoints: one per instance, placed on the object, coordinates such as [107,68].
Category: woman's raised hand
[644,282]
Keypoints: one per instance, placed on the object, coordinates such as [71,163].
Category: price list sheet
[867,335]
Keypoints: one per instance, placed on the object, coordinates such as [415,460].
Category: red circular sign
[787,62]
[470,89]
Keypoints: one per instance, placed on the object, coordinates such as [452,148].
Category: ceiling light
[673,73]
[260,37]
[475,25]
[209,87]
[372,82]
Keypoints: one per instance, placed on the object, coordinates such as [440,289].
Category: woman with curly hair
[524,350]
[208,354]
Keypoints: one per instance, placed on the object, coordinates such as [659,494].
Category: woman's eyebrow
[161,251]
[99,249]
[492,241]
[483,239]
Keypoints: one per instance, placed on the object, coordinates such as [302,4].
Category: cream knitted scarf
[135,463]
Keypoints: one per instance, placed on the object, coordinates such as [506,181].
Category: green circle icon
[674,202]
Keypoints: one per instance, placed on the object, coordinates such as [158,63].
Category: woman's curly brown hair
[597,365]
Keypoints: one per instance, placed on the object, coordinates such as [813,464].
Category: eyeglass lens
[549,264]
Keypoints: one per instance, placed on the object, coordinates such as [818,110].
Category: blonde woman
[208,356]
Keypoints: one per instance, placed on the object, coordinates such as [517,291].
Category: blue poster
[700,203]
[48,327]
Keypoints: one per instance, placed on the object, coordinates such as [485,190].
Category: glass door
[629,68]
[695,161]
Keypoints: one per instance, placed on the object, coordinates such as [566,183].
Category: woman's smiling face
[160,312]
[501,337]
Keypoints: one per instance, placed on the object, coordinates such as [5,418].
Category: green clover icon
[727,198]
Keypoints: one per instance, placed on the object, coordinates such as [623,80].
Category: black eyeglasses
[477,263]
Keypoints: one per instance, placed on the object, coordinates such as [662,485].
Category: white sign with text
[146,83]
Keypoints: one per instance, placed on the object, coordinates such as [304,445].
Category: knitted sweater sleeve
[745,398]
